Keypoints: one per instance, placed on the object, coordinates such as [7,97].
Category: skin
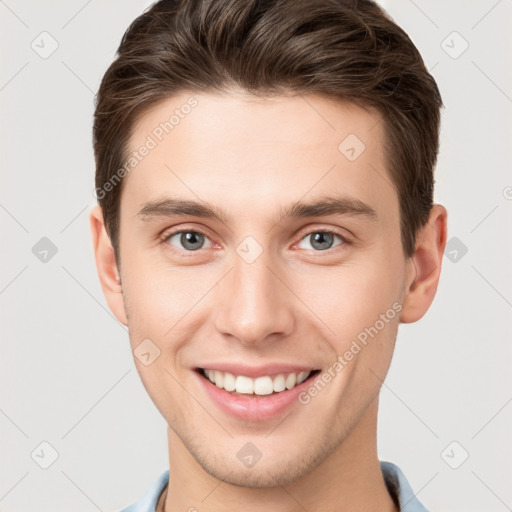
[294,303]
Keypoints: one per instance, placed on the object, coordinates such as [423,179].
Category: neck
[350,478]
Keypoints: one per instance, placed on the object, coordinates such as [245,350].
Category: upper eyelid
[334,231]
[167,233]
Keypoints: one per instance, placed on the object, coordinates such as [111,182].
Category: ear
[106,265]
[424,266]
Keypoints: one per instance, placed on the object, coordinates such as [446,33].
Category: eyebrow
[323,206]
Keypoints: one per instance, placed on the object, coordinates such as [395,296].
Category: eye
[322,240]
[192,240]
[189,240]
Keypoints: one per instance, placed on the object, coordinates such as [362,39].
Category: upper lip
[270,369]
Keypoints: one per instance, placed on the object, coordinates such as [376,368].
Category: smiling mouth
[241,385]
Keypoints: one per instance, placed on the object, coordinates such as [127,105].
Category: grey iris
[322,240]
[191,240]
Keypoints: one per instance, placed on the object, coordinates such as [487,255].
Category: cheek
[162,301]
[360,305]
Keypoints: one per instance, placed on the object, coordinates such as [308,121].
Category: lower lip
[252,408]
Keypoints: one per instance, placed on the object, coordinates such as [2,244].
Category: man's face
[260,291]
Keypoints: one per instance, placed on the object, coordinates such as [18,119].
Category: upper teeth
[259,386]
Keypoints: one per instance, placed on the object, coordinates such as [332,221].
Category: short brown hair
[343,49]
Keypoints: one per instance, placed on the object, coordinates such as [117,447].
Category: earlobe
[424,266]
[106,265]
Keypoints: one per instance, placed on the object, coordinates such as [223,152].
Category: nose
[254,303]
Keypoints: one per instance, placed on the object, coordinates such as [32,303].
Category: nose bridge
[254,303]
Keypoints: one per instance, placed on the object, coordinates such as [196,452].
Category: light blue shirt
[396,482]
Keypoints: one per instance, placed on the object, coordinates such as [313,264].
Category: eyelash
[186,253]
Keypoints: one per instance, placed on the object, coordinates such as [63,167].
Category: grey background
[67,374]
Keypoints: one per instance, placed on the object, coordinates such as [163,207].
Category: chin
[269,476]
[274,472]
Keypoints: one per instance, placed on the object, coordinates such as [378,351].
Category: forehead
[243,150]
[306,119]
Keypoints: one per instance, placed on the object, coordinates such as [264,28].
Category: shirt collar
[399,488]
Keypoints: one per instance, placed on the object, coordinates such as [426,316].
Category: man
[265,223]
